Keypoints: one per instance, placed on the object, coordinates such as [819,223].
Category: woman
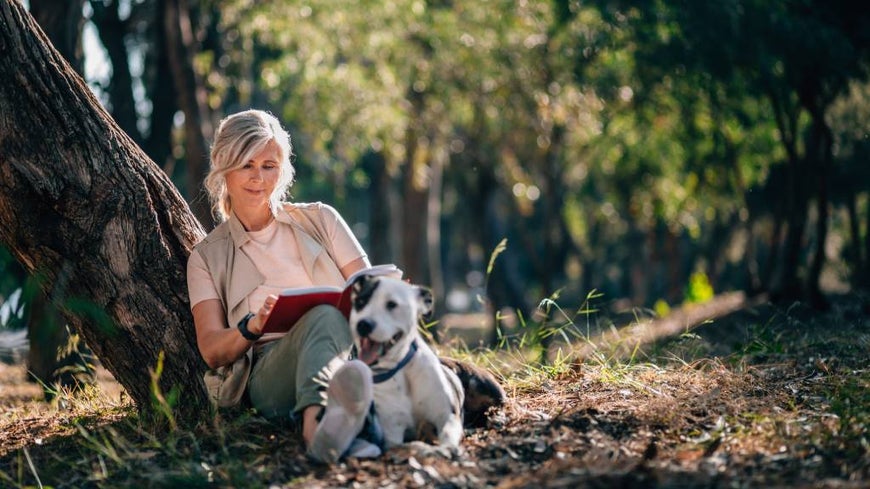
[263,246]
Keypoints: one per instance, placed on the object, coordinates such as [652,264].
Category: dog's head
[384,317]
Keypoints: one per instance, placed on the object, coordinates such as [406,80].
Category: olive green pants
[292,373]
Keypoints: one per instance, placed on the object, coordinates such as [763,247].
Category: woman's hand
[255,325]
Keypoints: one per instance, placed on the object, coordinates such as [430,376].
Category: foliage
[617,145]
[699,288]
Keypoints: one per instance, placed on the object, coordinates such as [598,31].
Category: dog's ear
[361,291]
[359,283]
[427,302]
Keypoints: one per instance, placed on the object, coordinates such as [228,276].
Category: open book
[293,303]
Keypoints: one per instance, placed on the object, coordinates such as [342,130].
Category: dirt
[763,396]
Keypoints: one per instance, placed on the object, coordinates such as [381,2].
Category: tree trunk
[181,47]
[787,286]
[854,222]
[62,23]
[47,332]
[158,144]
[85,208]
[381,198]
[864,278]
[112,32]
[783,284]
[433,223]
[822,155]
[774,251]
[414,195]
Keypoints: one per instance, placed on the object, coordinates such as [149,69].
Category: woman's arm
[218,344]
[355,266]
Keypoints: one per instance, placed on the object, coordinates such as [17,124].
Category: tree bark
[84,207]
[47,331]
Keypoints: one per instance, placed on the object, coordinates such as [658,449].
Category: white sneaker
[360,448]
[349,396]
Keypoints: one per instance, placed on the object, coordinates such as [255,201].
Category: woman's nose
[256,174]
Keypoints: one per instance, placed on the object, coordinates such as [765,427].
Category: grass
[762,397]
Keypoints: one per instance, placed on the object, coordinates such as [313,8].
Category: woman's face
[250,186]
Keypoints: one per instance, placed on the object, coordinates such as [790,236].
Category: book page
[387,269]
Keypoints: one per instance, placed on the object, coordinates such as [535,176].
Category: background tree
[798,57]
[182,47]
[115,33]
[617,147]
[91,214]
[161,39]
[51,358]
[850,124]
[622,147]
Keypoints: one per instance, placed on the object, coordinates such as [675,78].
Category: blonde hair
[238,139]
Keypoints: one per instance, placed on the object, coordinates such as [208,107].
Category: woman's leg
[304,372]
[292,374]
[349,399]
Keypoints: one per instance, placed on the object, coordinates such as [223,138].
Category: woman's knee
[325,320]
[323,312]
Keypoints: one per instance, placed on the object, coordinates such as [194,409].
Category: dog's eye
[391,305]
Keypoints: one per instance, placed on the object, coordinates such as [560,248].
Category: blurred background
[645,153]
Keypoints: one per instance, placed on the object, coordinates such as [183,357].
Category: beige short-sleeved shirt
[275,253]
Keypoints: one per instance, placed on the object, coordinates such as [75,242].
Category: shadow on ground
[763,396]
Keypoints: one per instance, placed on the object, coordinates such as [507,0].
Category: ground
[761,396]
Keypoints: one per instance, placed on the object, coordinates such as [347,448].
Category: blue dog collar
[385,376]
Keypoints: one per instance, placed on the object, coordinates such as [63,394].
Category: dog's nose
[364,327]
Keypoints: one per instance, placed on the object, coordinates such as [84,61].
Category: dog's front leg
[437,394]
[394,433]
[450,434]
[394,411]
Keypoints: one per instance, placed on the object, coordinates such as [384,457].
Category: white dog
[414,395]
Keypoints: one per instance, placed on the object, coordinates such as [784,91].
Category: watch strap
[243,328]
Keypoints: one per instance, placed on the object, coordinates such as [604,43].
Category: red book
[293,303]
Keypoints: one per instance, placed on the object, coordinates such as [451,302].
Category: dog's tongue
[368,351]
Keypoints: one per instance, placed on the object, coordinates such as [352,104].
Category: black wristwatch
[243,328]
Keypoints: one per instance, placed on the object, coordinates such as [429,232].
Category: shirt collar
[237,230]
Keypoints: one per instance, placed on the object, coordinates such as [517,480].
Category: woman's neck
[254,220]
